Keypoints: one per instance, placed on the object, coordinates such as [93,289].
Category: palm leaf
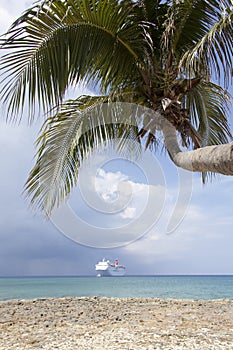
[204,38]
[59,43]
[209,111]
[71,135]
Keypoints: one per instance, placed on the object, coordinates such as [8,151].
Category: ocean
[174,287]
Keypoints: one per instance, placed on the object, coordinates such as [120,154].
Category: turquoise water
[177,287]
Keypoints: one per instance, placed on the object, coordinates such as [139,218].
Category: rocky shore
[109,323]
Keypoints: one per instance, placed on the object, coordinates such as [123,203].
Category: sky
[154,218]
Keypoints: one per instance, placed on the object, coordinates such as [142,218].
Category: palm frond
[70,136]
[204,39]
[58,43]
[209,112]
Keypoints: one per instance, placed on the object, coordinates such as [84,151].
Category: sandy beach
[111,323]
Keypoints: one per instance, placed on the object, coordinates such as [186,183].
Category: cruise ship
[105,268]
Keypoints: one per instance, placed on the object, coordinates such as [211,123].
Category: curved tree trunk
[217,158]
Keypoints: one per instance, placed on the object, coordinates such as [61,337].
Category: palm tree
[168,57]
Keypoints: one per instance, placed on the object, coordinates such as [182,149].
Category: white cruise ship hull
[111,272]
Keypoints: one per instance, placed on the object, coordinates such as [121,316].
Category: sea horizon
[130,275]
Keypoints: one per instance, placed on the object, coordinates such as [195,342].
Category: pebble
[99,323]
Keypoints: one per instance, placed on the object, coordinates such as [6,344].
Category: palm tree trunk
[217,158]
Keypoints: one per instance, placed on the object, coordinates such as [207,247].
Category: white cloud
[128,213]
[114,186]
[107,183]
[115,208]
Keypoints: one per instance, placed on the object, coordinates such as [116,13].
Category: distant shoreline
[116,323]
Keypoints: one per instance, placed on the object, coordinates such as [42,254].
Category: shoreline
[69,297]
[99,323]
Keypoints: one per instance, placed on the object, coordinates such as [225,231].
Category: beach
[99,323]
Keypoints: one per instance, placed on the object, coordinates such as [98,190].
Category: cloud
[108,209]
[112,186]
[106,184]
[128,213]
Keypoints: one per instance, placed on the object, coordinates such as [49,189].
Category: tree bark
[217,158]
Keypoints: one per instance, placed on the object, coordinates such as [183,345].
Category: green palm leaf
[59,43]
[70,136]
[209,111]
[204,38]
